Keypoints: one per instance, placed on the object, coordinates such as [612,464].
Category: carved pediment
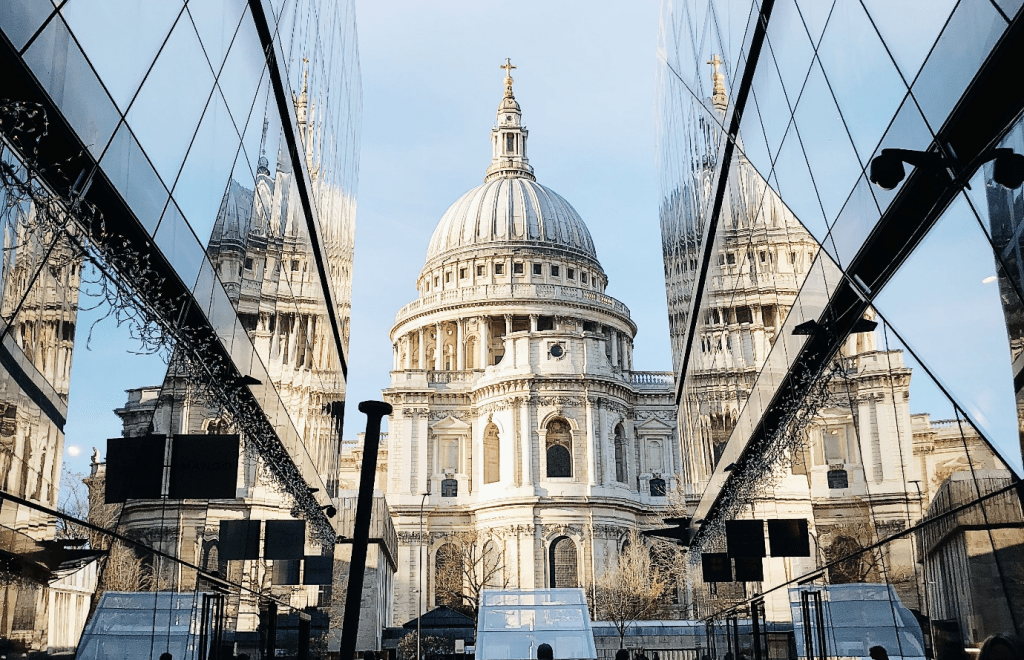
[450,425]
[654,425]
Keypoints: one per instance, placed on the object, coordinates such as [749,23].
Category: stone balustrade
[652,379]
[518,292]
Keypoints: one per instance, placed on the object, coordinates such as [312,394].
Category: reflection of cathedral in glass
[828,366]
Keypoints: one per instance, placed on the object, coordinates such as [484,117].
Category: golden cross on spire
[508,66]
[718,97]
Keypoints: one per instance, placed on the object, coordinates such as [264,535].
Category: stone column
[510,346]
[421,362]
[615,348]
[438,348]
[485,341]
[460,348]
[408,352]
[533,322]
[597,446]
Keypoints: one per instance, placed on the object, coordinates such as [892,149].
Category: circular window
[557,351]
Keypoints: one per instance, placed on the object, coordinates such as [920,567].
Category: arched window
[492,454]
[620,455]
[562,559]
[448,575]
[559,449]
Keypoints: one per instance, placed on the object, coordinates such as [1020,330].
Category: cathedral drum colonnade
[516,404]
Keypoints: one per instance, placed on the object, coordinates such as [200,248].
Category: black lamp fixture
[887,170]
[729,468]
[329,510]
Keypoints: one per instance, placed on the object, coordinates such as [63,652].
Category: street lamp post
[419,596]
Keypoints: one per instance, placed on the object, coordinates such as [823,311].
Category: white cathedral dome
[511,210]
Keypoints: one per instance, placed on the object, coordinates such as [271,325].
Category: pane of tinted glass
[815,14]
[130,172]
[946,307]
[773,110]
[909,29]
[242,69]
[121,57]
[62,70]
[166,112]
[795,186]
[21,18]
[790,47]
[204,177]
[833,162]
[855,222]
[179,245]
[861,74]
[216,24]
[965,43]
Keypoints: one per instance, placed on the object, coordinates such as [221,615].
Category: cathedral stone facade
[519,421]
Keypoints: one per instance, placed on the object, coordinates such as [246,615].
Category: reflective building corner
[192,180]
[840,212]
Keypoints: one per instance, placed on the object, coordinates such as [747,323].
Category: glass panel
[166,112]
[216,24]
[815,15]
[790,47]
[861,75]
[201,185]
[855,222]
[795,186]
[21,18]
[832,159]
[945,295]
[181,247]
[774,111]
[242,70]
[121,57]
[909,29]
[130,172]
[965,43]
[69,80]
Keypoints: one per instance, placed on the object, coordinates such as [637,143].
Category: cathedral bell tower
[508,137]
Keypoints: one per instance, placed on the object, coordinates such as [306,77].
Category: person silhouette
[622,654]
[878,653]
[545,652]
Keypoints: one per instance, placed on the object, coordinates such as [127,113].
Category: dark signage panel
[285,572]
[285,539]
[135,468]
[716,567]
[319,570]
[789,538]
[749,569]
[204,467]
[239,539]
[745,538]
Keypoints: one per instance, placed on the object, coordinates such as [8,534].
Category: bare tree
[73,503]
[468,563]
[632,590]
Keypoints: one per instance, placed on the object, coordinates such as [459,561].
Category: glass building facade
[190,170]
[846,321]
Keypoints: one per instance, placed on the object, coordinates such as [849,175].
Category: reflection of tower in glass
[39,304]
[260,248]
[761,257]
